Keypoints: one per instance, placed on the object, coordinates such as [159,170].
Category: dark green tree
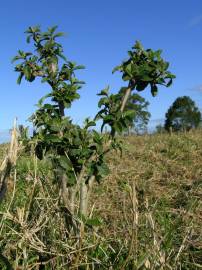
[182,115]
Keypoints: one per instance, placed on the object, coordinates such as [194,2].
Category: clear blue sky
[99,33]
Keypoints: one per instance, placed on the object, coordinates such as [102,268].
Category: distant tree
[182,115]
[141,116]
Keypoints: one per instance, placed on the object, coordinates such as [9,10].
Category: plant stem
[125,98]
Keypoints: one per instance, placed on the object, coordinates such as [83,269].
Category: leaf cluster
[110,112]
[45,64]
[145,68]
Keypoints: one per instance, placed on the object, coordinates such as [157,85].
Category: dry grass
[150,207]
[167,173]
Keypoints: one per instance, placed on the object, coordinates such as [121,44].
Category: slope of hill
[146,214]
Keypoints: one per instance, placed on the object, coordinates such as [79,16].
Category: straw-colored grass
[148,210]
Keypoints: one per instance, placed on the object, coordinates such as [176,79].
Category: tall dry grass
[146,215]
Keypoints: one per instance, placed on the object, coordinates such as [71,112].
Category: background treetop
[183,114]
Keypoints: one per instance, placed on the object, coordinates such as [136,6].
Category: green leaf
[96,136]
[129,113]
[79,67]
[146,78]
[103,101]
[43,80]
[62,56]
[126,77]
[104,92]
[128,69]
[154,90]
[41,100]
[169,82]
[141,85]
[64,162]
[27,72]
[170,76]
[29,38]
[138,46]
[20,78]
[103,169]
[117,68]
[90,124]
[17,57]
[59,34]
[48,106]
[52,138]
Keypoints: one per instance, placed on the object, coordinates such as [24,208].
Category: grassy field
[146,214]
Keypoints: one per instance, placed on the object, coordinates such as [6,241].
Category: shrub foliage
[78,154]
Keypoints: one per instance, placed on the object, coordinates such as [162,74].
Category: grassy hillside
[146,214]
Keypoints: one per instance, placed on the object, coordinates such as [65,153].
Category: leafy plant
[78,154]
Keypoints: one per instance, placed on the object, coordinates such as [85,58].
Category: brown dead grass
[150,205]
[165,168]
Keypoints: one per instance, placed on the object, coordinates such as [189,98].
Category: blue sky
[98,35]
